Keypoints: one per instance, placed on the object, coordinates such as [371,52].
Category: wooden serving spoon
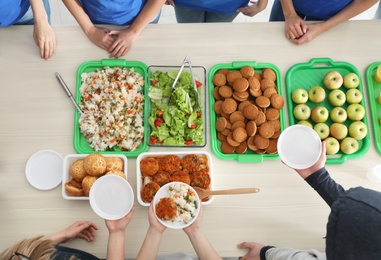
[203,193]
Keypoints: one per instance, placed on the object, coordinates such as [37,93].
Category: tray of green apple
[373,80]
[328,96]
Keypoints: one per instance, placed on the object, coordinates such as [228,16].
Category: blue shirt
[116,12]
[215,6]
[320,9]
[12,10]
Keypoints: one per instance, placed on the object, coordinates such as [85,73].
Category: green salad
[180,122]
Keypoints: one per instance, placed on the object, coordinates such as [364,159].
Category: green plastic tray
[249,156]
[306,75]
[374,90]
[81,145]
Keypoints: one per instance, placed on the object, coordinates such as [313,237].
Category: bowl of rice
[176,205]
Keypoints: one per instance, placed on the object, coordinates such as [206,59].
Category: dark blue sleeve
[327,188]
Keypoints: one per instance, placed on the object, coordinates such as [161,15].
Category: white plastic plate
[163,193]
[44,169]
[111,197]
[299,146]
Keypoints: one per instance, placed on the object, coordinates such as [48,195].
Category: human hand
[170,2]
[80,229]
[304,173]
[121,224]
[295,27]
[313,31]
[122,43]
[196,225]
[153,222]
[100,37]
[254,250]
[45,39]
[253,9]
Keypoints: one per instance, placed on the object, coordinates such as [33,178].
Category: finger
[297,30]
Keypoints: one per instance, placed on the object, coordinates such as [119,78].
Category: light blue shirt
[12,10]
[115,12]
[215,6]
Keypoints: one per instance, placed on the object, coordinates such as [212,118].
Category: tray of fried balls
[246,111]
[80,171]
[156,169]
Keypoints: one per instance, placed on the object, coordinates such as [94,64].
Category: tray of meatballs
[154,170]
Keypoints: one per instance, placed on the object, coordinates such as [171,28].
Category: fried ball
[161,178]
[166,209]
[149,166]
[170,163]
[201,179]
[149,190]
[181,176]
[190,162]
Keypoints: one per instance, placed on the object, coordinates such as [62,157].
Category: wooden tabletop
[36,114]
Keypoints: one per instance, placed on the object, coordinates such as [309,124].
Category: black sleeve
[263,251]
[327,188]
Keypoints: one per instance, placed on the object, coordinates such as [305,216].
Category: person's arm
[200,243]
[42,31]
[99,36]
[151,242]
[260,252]
[315,29]
[295,27]
[116,238]
[80,229]
[128,36]
[253,8]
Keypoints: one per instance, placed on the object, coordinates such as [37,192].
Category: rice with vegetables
[185,200]
[112,102]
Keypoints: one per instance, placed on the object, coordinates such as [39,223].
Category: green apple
[351,80]
[337,97]
[349,145]
[338,131]
[354,96]
[333,80]
[319,114]
[332,145]
[355,112]
[322,129]
[338,115]
[302,112]
[316,94]
[358,130]
[305,122]
[299,96]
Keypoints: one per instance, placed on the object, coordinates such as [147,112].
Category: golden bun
[77,171]
[95,164]
[117,172]
[74,188]
[114,163]
[87,183]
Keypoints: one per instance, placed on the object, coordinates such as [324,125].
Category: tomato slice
[158,122]
[188,142]
[198,84]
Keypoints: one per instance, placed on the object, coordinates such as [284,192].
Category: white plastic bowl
[67,162]
[162,193]
[299,146]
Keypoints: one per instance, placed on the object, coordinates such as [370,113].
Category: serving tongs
[186,61]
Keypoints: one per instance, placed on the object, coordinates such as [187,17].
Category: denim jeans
[28,19]
[191,15]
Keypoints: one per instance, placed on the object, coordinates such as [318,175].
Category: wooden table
[36,114]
